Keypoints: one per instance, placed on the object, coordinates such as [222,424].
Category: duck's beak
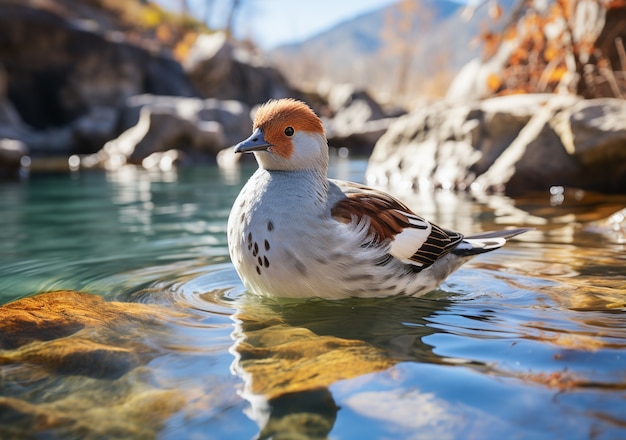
[256,142]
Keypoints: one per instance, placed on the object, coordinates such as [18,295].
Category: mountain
[412,47]
[363,33]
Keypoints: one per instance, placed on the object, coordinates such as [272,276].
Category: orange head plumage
[287,135]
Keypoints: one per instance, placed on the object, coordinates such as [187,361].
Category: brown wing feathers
[389,217]
[385,221]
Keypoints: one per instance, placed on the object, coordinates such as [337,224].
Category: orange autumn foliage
[556,49]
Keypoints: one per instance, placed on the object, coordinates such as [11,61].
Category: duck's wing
[413,239]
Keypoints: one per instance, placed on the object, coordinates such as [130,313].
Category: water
[525,342]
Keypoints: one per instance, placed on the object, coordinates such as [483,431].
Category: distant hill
[372,49]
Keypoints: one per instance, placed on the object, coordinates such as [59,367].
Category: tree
[573,46]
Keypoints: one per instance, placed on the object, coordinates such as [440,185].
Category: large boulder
[219,68]
[66,78]
[357,121]
[156,124]
[233,116]
[515,144]
[13,158]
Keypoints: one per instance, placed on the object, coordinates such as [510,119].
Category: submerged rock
[515,144]
[67,357]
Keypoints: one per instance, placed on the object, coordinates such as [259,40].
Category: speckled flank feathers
[292,232]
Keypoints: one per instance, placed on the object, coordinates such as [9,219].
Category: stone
[233,116]
[535,160]
[82,67]
[593,129]
[93,129]
[74,365]
[59,314]
[347,96]
[65,79]
[212,55]
[315,345]
[8,114]
[219,68]
[513,144]
[159,129]
[13,158]
[358,138]
[279,340]
[357,122]
[163,161]
[156,124]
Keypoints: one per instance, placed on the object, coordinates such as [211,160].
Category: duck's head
[287,135]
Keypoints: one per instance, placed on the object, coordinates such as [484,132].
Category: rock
[233,116]
[355,104]
[157,130]
[77,357]
[8,114]
[358,120]
[82,414]
[315,345]
[593,129]
[93,129]
[515,144]
[213,56]
[163,161]
[327,360]
[65,79]
[535,160]
[309,362]
[161,123]
[13,158]
[359,139]
[68,357]
[220,69]
[82,67]
[59,314]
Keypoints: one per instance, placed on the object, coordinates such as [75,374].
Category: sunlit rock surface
[357,122]
[512,144]
[74,364]
[220,69]
[13,153]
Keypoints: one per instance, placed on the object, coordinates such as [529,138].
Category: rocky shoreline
[77,96]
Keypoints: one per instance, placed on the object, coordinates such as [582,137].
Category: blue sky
[273,22]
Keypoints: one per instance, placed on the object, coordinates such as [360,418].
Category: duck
[295,233]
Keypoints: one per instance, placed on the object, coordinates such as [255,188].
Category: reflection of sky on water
[524,341]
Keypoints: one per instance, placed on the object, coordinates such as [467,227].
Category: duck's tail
[486,241]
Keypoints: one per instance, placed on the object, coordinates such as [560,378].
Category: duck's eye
[289,131]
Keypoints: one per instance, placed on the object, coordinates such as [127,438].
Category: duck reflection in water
[289,354]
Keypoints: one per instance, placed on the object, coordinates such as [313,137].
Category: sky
[270,23]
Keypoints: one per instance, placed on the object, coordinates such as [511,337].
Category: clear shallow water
[525,342]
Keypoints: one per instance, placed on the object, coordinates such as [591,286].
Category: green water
[525,342]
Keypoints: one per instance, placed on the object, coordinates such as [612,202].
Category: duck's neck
[310,184]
